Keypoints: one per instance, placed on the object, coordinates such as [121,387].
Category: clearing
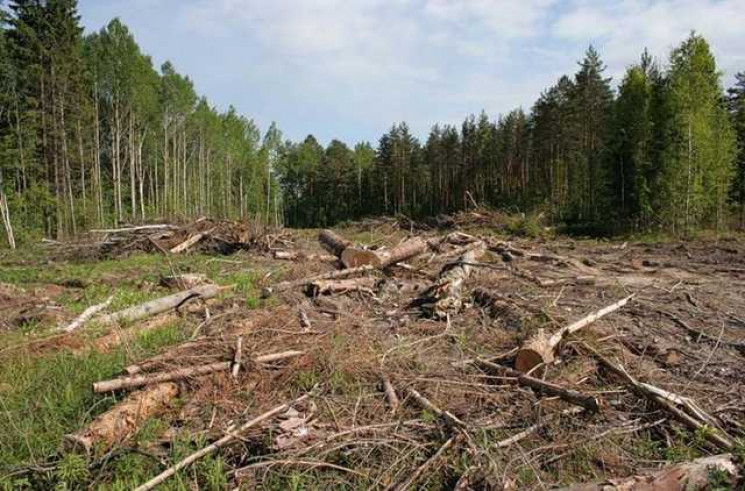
[453,360]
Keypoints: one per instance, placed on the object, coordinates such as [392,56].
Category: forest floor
[457,421]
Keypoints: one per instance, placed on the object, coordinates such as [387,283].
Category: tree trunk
[159,305]
[123,420]
[540,348]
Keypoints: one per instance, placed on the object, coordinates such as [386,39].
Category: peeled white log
[87,315]
[159,305]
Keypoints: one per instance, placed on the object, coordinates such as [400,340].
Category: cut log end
[529,358]
[352,257]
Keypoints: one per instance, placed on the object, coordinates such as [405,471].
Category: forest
[93,135]
[550,298]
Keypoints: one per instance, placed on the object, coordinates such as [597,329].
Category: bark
[330,287]
[541,347]
[403,252]
[688,476]
[160,305]
[123,420]
[350,256]
[446,295]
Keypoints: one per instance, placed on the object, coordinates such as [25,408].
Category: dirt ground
[683,331]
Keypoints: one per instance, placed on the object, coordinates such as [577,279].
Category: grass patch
[44,397]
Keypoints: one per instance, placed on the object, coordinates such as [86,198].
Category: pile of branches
[204,235]
[454,424]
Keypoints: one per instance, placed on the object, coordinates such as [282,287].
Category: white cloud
[367,63]
[622,29]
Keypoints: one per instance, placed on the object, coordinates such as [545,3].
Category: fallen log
[688,476]
[447,292]
[690,415]
[590,403]
[160,305]
[121,421]
[182,373]
[87,315]
[403,252]
[152,483]
[295,255]
[288,285]
[351,256]
[330,287]
[540,348]
[188,242]
[334,243]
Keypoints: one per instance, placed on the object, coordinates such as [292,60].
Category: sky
[349,69]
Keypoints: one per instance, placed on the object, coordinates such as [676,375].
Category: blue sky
[348,69]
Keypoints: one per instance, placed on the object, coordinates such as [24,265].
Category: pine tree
[736,107]
[630,159]
[591,100]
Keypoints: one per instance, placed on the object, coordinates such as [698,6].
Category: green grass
[44,397]
[47,394]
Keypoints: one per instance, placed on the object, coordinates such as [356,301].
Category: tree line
[93,135]
[665,151]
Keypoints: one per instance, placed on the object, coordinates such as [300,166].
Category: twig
[152,483]
[390,392]
[406,485]
[447,416]
[237,356]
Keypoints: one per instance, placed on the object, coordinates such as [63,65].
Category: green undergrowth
[43,397]
[46,390]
